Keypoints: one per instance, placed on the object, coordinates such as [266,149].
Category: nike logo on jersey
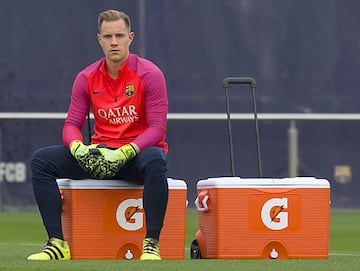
[98,91]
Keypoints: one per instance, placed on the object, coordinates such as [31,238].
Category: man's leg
[48,164]
[152,164]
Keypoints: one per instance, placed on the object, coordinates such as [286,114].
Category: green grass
[22,233]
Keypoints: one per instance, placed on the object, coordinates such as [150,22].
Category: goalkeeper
[128,97]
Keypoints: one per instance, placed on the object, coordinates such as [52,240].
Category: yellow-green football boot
[55,249]
[150,250]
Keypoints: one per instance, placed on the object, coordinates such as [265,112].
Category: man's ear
[131,36]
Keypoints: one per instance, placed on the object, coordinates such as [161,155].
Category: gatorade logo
[129,215]
[273,214]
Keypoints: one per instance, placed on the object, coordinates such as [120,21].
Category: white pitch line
[20,244]
[357,254]
[344,254]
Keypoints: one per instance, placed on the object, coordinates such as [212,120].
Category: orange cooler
[263,218]
[104,219]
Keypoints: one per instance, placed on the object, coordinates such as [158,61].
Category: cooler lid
[176,183]
[111,184]
[237,182]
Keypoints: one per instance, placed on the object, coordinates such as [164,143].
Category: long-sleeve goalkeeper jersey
[132,108]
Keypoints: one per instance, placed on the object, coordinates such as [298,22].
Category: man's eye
[107,36]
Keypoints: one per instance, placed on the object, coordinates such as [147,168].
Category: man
[129,101]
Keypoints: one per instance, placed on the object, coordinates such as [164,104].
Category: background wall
[303,54]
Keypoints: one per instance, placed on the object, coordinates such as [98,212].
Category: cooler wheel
[195,252]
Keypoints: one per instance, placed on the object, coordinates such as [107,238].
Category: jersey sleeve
[156,104]
[77,112]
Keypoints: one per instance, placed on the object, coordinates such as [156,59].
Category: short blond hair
[113,15]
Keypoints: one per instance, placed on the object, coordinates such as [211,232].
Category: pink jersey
[132,108]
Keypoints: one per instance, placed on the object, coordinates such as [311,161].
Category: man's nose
[113,40]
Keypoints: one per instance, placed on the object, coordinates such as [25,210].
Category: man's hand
[108,161]
[78,149]
[85,156]
[120,156]
[100,161]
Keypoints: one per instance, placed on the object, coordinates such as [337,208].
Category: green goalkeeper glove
[118,157]
[100,161]
[84,155]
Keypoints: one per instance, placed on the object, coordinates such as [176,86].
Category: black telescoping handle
[89,127]
[239,80]
[242,81]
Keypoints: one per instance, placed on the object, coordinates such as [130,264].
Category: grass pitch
[22,233]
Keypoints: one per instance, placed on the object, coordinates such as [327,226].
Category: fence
[292,131]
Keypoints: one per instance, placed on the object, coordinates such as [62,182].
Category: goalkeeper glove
[108,161]
[78,149]
[118,157]
[84,155]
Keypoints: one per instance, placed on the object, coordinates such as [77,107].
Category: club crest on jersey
[129,90]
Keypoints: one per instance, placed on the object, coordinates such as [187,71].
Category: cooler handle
[203,202]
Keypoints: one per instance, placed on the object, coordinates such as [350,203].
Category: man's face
[115,39]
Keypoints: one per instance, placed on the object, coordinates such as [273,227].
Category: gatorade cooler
[262,218]
[104,219]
